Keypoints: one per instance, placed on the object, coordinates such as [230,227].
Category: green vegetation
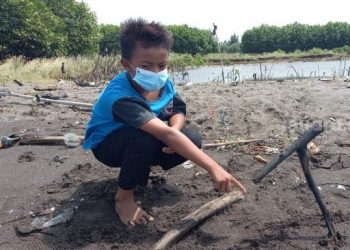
[43,28]
[36,36]
[102,68]
[26,31]
[295,36]
[109,42]
[192,40]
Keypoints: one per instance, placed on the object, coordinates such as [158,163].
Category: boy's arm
[177,120]
[184,147]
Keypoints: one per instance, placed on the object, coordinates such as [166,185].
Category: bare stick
[81,104]
[8,93]
[39,99]
[19,83]
[296,72]
[213,145]
[343,73]
[193,219]
[26,217]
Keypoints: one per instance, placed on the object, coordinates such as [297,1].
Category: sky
[230,16]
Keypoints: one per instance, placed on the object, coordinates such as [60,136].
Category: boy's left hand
[168,150]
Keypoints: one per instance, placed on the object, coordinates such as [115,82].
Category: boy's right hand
[224,181]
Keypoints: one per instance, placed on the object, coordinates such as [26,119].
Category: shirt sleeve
[179,105]
[132,111]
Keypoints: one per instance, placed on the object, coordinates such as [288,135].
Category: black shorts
[135,151]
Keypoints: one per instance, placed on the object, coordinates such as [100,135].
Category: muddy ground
[278,213]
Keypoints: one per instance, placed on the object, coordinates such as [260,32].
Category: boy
[127,127]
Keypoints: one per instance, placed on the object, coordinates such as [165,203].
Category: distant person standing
[215,27]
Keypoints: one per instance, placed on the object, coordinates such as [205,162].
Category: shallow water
[238,72]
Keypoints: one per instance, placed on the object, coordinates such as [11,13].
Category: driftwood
[213,145]
[345,143]
[40,99]
[193,219]
[81,104]
[326,79]
[44,140]
[45,88]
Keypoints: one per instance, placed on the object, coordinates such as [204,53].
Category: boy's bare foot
[129,213]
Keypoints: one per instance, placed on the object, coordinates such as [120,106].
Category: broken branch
[193,219]
[40,99]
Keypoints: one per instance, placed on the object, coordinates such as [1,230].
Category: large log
[193,219]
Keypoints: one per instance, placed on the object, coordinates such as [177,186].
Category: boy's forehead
[152,53]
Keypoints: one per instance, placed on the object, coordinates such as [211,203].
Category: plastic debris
[43,222]
[9,141]
[38,222]
[187,164]
[71,140]
[341,187]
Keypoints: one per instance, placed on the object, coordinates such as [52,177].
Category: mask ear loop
[132,76]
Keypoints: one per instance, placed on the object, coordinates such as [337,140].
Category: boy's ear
[125,64]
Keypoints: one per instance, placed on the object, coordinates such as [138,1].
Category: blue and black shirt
[120,105]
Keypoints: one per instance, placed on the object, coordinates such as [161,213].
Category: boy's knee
[144,140]
[194,136]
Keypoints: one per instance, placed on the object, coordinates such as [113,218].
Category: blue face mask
[149,80]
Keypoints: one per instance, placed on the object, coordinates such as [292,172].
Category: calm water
[267,71]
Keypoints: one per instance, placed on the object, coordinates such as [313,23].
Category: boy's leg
[133,150]
[168,161]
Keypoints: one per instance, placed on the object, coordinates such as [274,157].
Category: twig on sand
[23,217]
[193,219]
[213,145]
[40,99]
[334,183]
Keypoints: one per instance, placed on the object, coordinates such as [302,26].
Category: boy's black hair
[147,34]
